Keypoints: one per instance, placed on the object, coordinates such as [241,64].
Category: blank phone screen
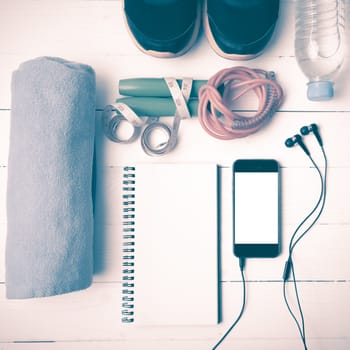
[256,214]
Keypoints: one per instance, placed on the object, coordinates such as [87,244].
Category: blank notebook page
[176,244]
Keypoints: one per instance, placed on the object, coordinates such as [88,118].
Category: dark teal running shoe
[162,28]
[239,29]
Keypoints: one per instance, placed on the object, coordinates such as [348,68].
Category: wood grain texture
[93,32]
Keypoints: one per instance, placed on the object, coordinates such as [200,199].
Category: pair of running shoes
[235,29]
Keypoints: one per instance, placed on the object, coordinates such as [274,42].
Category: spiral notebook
[170,244]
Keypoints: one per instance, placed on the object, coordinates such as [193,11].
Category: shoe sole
[159,54]
[215,46]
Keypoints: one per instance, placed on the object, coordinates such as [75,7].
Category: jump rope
[217,117]
[237,82]
[213,101]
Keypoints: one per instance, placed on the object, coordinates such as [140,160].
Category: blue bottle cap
[320,90]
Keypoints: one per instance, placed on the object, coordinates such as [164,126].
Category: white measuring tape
[113,115]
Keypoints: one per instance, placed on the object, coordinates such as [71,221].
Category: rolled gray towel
[49,247]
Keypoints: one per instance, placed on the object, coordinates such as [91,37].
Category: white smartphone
[256,208]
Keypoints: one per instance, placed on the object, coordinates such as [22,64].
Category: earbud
[297,139]
[305,130]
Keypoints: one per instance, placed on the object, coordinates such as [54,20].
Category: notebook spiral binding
[128,245]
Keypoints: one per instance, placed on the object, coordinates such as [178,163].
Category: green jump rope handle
[155,87]
[156,106]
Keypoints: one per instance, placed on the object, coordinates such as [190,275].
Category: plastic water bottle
[320,44]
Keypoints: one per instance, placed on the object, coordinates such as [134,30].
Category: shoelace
[227,86]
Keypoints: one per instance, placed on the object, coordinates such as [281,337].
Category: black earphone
[306,130]
[296,236]
[317,210]
[297,139]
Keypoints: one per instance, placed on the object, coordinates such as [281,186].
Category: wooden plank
[195,145]
[93,315]
[4,137]
[324,246]
[321,256]
[3,192]
[3,233]
[322,251]
[294,209]
[243,344]
[111,68]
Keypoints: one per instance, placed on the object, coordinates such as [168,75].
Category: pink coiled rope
[214,108]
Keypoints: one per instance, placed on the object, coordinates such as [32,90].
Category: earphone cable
[241,267]
[321,200]
[289,264]
[289,268]
[301,325]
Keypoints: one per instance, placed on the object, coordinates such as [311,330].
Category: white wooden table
[92,32]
